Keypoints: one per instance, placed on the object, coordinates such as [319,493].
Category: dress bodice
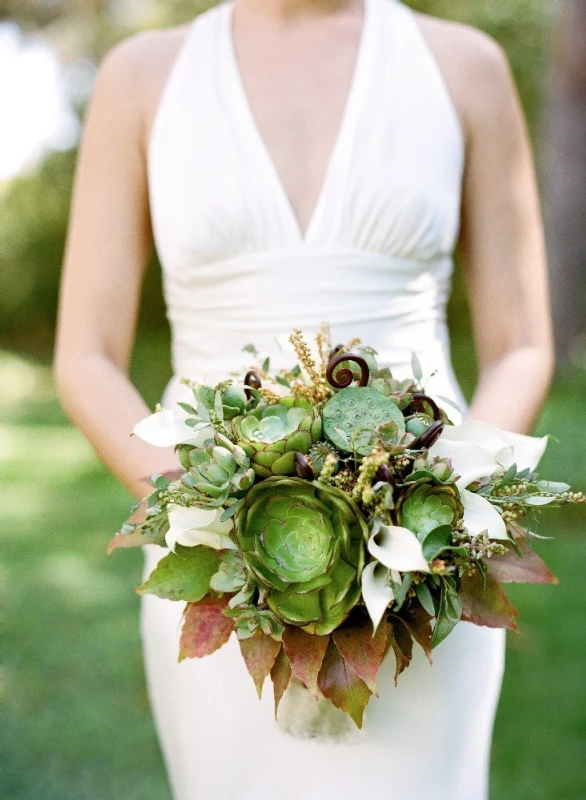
[376,258]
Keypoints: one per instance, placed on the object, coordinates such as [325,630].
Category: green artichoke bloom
[218,471]
[304,543]
[272,434]
[423,508]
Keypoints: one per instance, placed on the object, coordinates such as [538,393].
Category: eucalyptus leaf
[416,367]
[510,474]
[266,364]
[552,486]
[536,500]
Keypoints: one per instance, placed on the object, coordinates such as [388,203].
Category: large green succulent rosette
[271,435]
[304,544]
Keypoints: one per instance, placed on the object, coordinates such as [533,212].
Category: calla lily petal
[397,548]
[505,447]
[376,591]
[194,526]
[480,515]
[469,461]
[166,429]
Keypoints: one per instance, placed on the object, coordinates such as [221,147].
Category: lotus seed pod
[358,408]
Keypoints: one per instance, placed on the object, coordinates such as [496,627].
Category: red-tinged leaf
[280,675]
[401,641]
[306,653]
[259,653]
[362,652]
[205,628]
[489,607]
[527,568]
[418,623]
[340,684]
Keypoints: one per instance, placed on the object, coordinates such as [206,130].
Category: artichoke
[272,434]
[218,471]
[304,543]
[423,508]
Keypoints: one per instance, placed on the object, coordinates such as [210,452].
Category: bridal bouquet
[329,514]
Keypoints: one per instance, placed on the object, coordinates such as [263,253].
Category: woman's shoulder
[132,74]
[475,68]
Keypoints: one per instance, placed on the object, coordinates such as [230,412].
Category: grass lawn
[77,723]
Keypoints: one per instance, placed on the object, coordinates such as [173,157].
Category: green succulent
[218,471]
[436,470]
[271,435]
[304,543]
[423,508]
[352,416]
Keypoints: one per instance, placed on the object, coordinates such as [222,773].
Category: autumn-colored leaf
[306,653]
[418,623]
[526,568]
[488,606]
[362,651]
[280,676]
[182,575]
[259,653]
[205,628]
[401,641]
[340,684]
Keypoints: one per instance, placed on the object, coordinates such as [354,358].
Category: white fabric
[376,261]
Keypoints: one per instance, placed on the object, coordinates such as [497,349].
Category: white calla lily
[376,591]
[397,548]
[167,428]
[477,449]
[480,515]
[194,526]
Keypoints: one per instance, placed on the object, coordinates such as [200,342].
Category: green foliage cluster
[34,208]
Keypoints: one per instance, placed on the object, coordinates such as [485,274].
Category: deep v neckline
[349,116]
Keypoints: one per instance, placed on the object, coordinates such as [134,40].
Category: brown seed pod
[344,377]
[253,380]
[303,467]
[383,473]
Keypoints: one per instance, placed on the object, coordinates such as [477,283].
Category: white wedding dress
[376,262]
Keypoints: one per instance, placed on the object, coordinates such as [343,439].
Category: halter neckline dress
[376,262]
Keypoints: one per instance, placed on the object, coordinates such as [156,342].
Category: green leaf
[306,653]
[553,486]
[449,614]
[183,575]
[436,541]
[266,364]
[489,607]
[205,628]
[362,650]
[425,598]
[230,511]
[280,676]
[259,652]
[416,368]
[399,638]
[250,348]
[509,475]
[340,684]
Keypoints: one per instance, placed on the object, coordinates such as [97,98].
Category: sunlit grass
[77,723]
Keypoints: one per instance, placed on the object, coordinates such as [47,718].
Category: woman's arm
[108,248]
[501,241]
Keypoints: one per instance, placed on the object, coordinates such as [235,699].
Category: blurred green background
[77,723]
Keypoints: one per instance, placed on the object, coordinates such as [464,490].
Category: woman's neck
[287,9]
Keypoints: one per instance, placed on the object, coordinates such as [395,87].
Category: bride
[295,161]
